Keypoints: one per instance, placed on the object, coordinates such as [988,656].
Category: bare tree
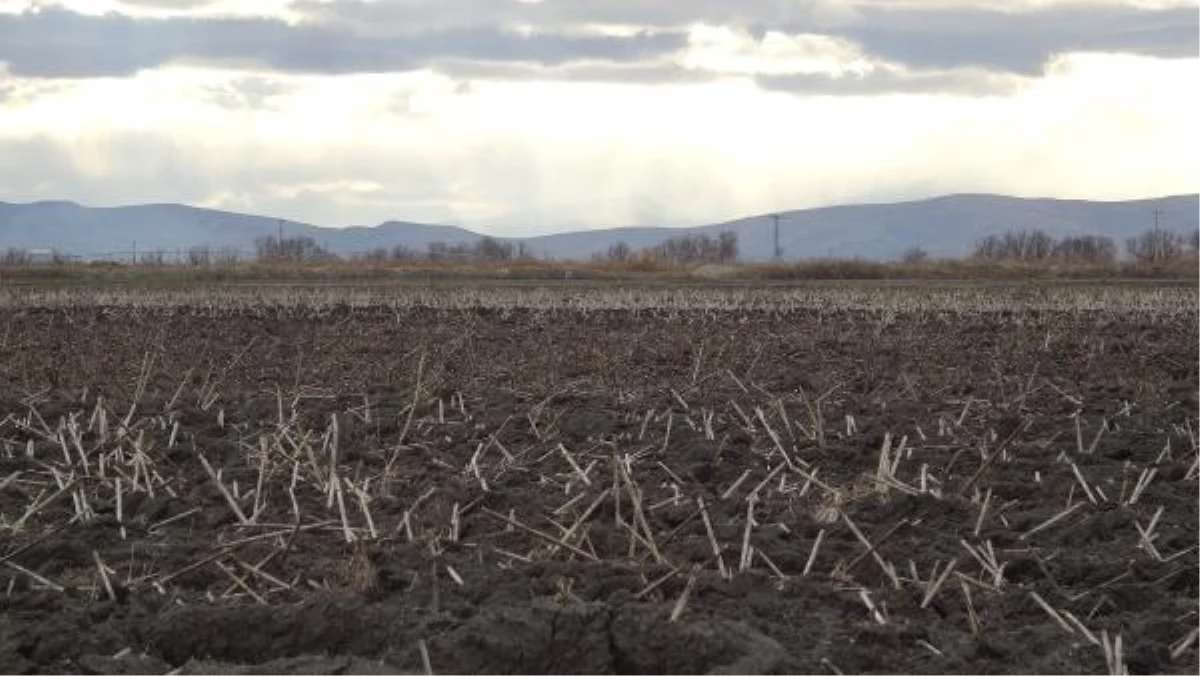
[1086,248]
[619,253]
[200,256]
[15,256]
[914,255]
[1155,246]
[226,255]
[687,249]
[727,247]
[492,249]
[298,249]
[990,248]
[437,251]
[1016,244]
[401,252]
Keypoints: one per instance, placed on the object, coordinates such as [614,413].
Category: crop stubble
[556,479]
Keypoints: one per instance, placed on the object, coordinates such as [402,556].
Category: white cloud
[336,151]
[723,49]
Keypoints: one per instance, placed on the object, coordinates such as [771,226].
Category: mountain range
[942,226]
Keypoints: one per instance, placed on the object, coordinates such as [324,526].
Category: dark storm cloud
[1021,42]
[353,36]
[59,43]
[919,36]
[554,13]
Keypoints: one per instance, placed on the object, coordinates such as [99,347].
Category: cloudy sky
[527,116]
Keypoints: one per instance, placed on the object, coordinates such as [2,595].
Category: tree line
[484,249]
[1152,246]
[682,250]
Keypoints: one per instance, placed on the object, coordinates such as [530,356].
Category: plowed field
[992,480]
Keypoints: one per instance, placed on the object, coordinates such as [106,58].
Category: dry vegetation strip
[1178,268]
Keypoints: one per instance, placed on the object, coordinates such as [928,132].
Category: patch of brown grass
[634,270]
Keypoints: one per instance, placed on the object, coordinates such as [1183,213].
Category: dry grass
[644,270]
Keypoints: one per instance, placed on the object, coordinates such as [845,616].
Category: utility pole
[1159,250]
[778,250]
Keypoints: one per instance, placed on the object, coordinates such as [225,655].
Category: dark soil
[517,491]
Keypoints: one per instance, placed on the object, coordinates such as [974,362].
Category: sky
[521,117]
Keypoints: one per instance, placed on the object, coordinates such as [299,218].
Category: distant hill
[943,226]
[115,232]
